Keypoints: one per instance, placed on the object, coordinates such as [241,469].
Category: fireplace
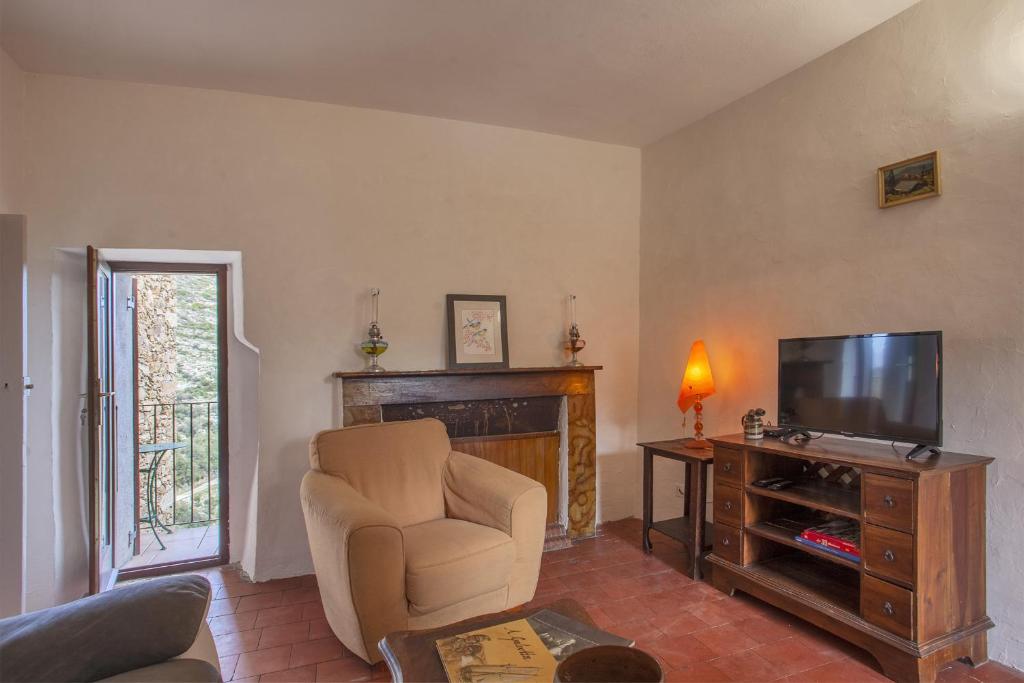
[537,421]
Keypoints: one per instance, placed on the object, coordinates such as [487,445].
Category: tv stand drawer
[729,543]
[889,502]
[887,605]
[728,501]
[888,553]
[728,462]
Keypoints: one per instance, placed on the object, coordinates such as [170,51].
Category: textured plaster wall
[12,117]
[324,202]
[761,222]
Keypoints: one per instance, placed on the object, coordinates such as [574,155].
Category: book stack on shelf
[839,537]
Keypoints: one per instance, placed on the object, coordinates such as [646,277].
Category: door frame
[220,270]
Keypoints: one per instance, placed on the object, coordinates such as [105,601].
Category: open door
[125,458]
[100,421]
[14,385]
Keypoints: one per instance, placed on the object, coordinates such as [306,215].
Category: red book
[840,534]
[831,542]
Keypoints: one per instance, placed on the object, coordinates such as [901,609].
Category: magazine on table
[563,636]
[522,650]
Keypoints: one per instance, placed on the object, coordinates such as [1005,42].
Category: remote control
[768,483]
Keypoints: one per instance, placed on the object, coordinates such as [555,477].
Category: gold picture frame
[906,181]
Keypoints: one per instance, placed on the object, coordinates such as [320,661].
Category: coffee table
[412,655]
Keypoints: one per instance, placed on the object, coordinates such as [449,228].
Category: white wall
[324,202]
[12,103]
[761,222]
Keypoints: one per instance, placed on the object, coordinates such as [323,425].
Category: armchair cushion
[479,491]
[396,465]
[451,560]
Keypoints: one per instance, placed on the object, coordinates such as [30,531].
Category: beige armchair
[408,534]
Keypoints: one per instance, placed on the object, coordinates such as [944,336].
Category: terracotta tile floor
[275,631]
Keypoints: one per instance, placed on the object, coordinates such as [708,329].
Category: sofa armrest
[129,627]
[359,559]
[479,491]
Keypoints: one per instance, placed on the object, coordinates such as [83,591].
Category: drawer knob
[889,501]
[889,556]
[727,467]
[725,540]
[728,505]
[888,609]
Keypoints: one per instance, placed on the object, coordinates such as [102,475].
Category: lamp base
[691,442]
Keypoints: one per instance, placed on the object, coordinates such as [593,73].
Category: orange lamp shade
[697,379]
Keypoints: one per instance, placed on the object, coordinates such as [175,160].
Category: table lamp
[697,385]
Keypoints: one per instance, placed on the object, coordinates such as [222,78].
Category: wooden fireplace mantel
[364,394]
[356,374]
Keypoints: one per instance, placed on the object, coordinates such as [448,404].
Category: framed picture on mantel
[477,331]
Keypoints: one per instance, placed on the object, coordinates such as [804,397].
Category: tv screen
[885,386]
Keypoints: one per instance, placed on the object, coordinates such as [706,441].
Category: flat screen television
[881,386]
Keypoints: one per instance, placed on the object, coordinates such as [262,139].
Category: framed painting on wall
[909,180]
[477,331]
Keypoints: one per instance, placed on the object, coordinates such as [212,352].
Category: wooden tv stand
[916,598]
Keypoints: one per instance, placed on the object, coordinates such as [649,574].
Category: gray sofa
[146,631]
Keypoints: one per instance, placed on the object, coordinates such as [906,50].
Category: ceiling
[619,71]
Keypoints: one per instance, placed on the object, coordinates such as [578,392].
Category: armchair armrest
[332,500]
[479,491]
[359,559]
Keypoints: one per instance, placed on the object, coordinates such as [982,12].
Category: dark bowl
[609,664]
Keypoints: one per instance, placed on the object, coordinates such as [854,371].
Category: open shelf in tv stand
[916,599]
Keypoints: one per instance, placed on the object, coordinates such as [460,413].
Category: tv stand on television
[798,435]
[914,599]
[921,448]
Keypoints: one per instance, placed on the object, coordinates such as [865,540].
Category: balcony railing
[187,476]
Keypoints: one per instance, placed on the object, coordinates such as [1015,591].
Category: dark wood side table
[691,529]
[412,655]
